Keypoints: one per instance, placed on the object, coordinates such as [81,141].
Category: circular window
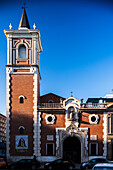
[93,119]
[50,119]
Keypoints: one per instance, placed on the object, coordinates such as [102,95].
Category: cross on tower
[71,94]
[24,6]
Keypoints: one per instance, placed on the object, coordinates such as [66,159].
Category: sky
[77,42]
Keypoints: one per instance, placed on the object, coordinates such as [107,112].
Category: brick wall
[50,96]
[47,129]
[94,129]
[21,113]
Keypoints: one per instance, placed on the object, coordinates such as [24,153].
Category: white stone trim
[35,125]
[29,56]
[9,50]
[8,71]
[13,56]
[15,42]
[17,48]
[53,118]
[21,96]
[39,133]
[32,70]
[105,134]
[34,51]
[96,117]
[29,44]
[21,127]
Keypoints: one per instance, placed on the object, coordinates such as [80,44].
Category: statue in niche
[21,143]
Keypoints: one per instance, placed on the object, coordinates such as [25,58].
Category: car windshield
[22,161]
[58,161]
[92,161]
[29,160]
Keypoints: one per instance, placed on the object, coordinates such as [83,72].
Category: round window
[49,119]
[93,118]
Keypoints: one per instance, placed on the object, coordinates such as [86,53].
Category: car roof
[104,165]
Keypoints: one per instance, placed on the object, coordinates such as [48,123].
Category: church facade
[49,126]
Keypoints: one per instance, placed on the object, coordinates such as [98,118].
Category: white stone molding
[39,133]
[15,42]
[96,118]
[52,119]
[35,124]
[33,70]
[28,43]
[13,56]
[21,127]
[21,96]
[80,133]
[8,77]
[17,48]
[9,50]
[34,51]
[29,56]
[105,134]
[50,137]
[93,137]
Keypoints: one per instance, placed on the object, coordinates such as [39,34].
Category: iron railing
[93,105]
[50,105]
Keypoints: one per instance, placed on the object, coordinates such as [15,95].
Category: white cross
[34,26]
[10,26]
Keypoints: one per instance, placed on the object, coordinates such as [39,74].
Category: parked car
[103,166]
[89,164]
[2,163]
[24,164]
[60,164]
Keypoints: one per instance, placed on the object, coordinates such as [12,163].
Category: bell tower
[22,89]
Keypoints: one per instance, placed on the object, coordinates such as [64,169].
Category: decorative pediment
[71,100]
[72,128]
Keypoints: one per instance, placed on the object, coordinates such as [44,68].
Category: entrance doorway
[72,149]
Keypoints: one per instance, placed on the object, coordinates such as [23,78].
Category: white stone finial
[10,26]
[34,26]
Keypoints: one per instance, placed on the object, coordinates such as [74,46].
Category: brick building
[2,135]
[49,126]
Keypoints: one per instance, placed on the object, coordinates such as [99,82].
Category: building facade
[2,135]
[49,126]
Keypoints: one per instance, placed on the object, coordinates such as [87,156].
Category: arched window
[71,112]
[21,99]
[22,51]
[50,101]
[21,129]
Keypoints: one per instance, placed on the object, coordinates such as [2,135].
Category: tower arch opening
[22,51]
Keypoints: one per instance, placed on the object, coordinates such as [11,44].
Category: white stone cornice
[105,134]
[8,91]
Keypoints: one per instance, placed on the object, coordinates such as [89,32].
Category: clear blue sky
[77,41]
